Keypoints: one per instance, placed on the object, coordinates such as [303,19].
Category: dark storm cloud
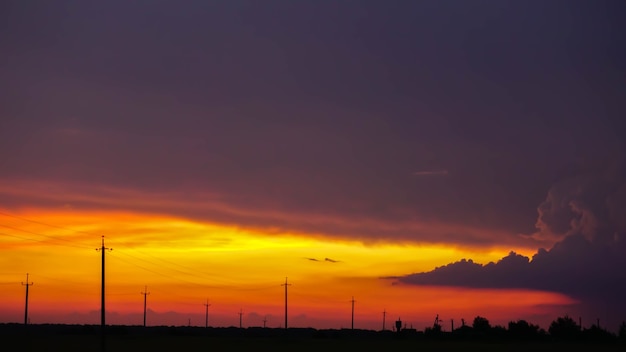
[312,116]
[588,211]
[575,267]
[591,203]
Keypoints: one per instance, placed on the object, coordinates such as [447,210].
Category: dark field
[194,343]
[136,339]
[68,343]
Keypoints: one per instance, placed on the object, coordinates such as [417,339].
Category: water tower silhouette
[398,325]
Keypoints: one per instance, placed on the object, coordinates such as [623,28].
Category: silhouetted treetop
[481,324]
[564,327]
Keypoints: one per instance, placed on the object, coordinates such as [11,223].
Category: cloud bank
[586,213]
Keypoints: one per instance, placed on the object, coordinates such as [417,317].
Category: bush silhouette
[564,328]
[523,329]
[596,333]
[481,324]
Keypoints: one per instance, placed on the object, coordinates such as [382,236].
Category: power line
[178,278]
[153,263]
[46,236]
[43,223]
[20,237]
[159,273]
[71,243]
[188,272]
[163,260]
[86,246]
[131,263]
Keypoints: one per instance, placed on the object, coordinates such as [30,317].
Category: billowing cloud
[591,204]
[575,266]
[586,212]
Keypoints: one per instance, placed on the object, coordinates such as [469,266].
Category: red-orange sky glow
[184,263]
[453,158]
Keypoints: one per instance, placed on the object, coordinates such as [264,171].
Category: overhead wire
[20,237]
[45,224]
[73,243]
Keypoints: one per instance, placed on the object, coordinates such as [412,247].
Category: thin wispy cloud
[329,260]
[431,173]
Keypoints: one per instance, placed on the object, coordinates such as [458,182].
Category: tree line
[562,328]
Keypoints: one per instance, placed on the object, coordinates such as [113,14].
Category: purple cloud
[587,212]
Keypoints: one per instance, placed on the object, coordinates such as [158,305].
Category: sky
[406,158]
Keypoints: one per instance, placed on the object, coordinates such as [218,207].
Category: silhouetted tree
[481,324]
[596,333]
[434,331]
[565,328]
[523,329]
[463,332]
[622,331]
[498,332]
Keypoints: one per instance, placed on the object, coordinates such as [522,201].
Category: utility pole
[264,321]
[27,284]
[145,294]
[451,325]
[206,314]
[384,316]
[285,284]
[102,249]
[240,314]
[352,325]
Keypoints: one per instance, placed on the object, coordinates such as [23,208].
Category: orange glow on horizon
[184,263]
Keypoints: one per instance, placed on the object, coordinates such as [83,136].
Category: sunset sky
[424,158]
